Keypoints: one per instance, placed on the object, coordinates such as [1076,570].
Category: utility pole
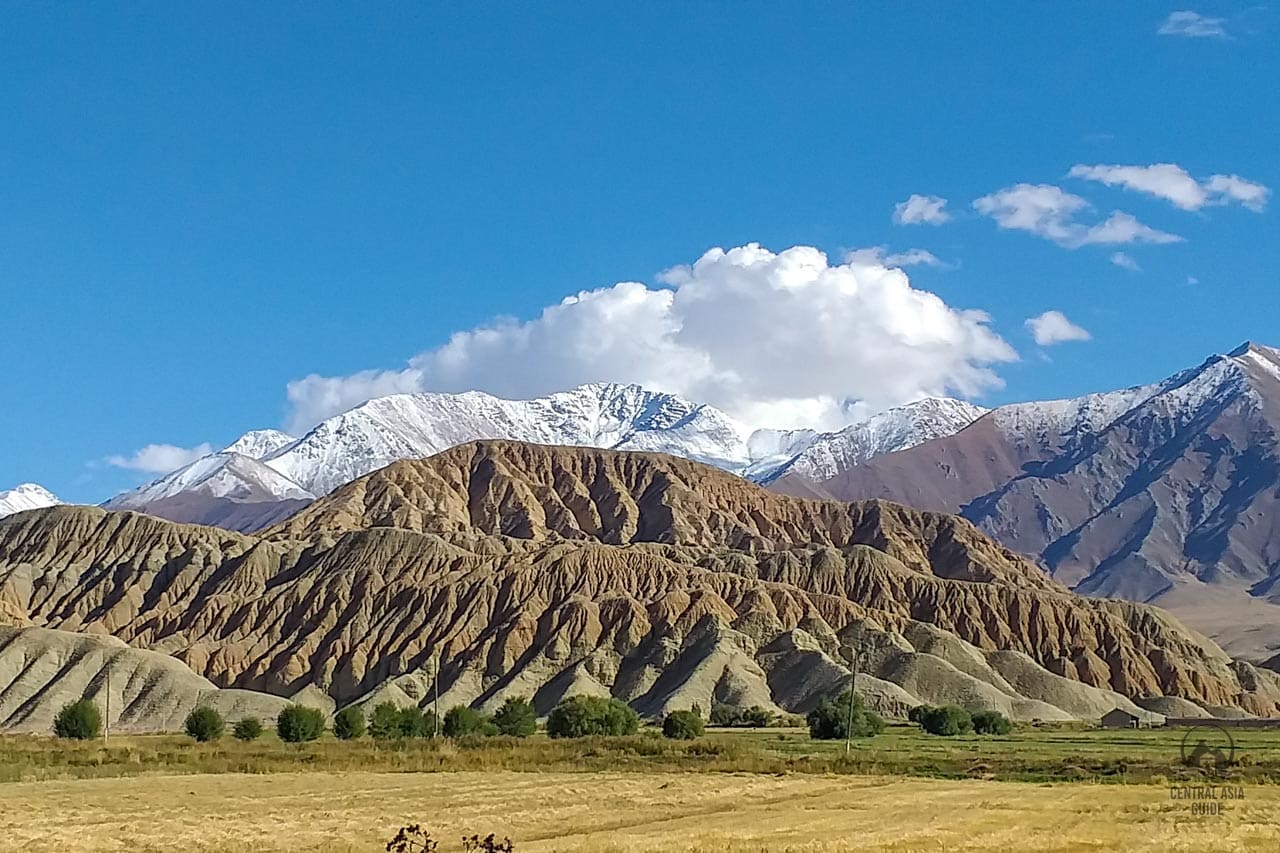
[435,703]
[106,723]
[853,683]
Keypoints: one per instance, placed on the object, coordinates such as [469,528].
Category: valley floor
[628,812]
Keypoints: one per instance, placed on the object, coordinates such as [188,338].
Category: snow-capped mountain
[1167,493]
[821,456]
[259,443]
[233,476]
[24,497]
[403,426]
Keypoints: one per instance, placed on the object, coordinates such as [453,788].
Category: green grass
[1027,754]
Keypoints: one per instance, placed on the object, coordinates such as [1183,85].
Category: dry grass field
[606,812]
[764,791]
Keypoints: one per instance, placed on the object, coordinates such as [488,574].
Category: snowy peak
[219,475]
[24,497]
[606,415]
[259,443]
[825,455]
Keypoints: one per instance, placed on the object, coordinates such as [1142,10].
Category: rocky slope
[1166,493]
[548,571]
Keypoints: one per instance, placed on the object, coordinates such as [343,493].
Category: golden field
[627,812]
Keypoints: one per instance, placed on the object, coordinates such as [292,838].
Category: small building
[1118,718]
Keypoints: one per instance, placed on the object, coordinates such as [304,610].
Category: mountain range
[524,569]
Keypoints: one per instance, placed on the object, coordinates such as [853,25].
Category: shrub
[947,721]
[725,715]
[682,725]
[830,719]
[580,716]
[416,722]
[250,728]
[78,720]
[205,724]
[916,714]
[348,724]
[461,721]
[757,717]
[298,724]
[991,723]
[384,722]
[516,718]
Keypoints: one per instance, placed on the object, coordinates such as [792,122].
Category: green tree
[991,723]
[461,721]
[416,722]
[947,721]
[250,728]
[725,715]
[830,719]
[516,717]
[78,720]
[348,724]
[384,722]
[205,724]
[298,724]
[682,725]
[757,717]
[580,716]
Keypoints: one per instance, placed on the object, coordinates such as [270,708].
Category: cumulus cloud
[160,458]
[921,210]
[1188,24]
[1053,327]
[1171,182]
[880,256]
[1124,261]
[774,339]
[1050,212]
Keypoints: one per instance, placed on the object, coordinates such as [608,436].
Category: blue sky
[201,206]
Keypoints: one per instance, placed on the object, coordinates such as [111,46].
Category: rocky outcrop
[540,571]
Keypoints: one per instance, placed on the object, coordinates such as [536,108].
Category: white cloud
[160,458]
[1172,183]
[880,256]
[1053,327]
[1050,212]
[1190,24]
[921,210]
[773,338]
[1125,261]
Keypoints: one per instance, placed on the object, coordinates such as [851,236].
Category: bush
[682,725]
[461,721]
[947,721]
[416,722]
[916,714]
[725,715]
[384,722]
[205,724]
[298,724]
[516,718]
[991,723]
[250,728]
[830,719]
[580,716]
[78,720]
[757,717]
[348,724]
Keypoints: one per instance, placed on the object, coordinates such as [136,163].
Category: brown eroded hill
[547,571]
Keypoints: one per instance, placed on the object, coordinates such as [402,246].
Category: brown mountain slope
[1167,494]
[937,611]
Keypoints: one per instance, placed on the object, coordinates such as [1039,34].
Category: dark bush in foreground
[581,716]
[462,721]
[348,724]
[830,719]
[205,724]
[78,720]
[516,718]
[949,720]
[250,728]
[991,723]
[488,844]
[682,725]
[298,724]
